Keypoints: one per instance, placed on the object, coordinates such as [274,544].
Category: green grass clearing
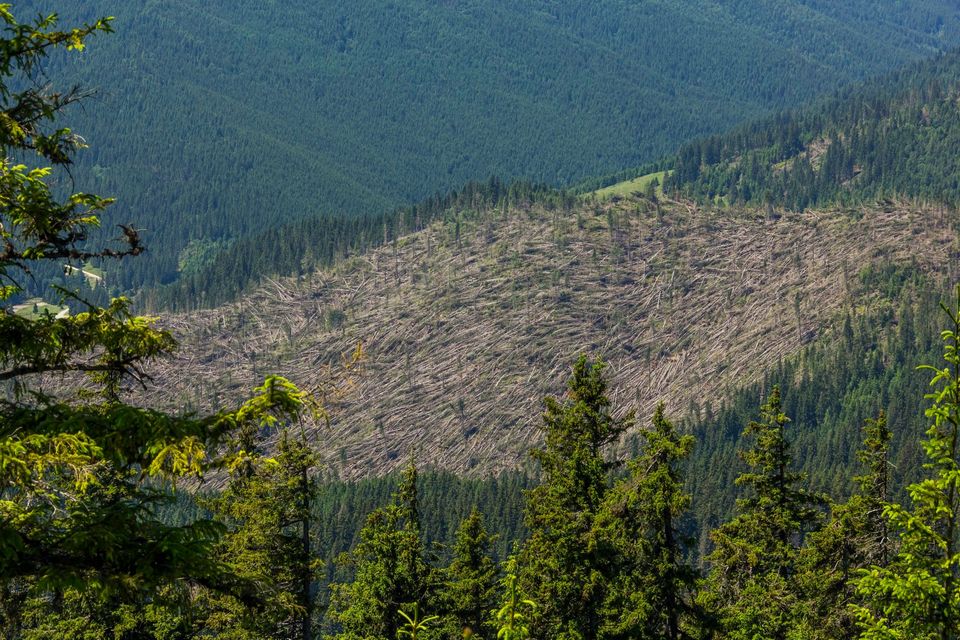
[36,308]
[633,186]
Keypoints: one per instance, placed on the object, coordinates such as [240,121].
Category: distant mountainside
[891,137]
[217,120]
[470,322]
[895,136]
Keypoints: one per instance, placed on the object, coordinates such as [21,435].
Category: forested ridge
[298,248]
[894,136]
[215,121]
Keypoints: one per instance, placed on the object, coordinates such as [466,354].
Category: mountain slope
[897,135]
[217,119]
[466,332]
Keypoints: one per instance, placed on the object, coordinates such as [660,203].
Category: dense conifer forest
[891,137]
[820,502]
[215,121]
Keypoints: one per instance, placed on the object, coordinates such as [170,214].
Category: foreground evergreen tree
[856,538]
[391,572]
[80,538]
[469,587]
[563,569]
[267,509]
[917,595]
[651,592]
[752,585]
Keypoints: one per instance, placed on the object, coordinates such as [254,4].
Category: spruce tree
[470,581]
[752,586]
[563,570]
[651,594]
[917,595]
[855,538]
[82,475]
[267,509]
[391,572]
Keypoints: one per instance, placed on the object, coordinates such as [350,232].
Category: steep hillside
[217,119]
[468,324]
[897,135]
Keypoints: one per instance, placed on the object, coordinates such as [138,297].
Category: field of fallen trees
[467,325]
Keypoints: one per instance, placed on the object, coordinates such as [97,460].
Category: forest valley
[107,532]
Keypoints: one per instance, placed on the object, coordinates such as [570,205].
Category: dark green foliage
[340,509]
[752,583]
[918,594]
[772,487]
[874,543]
[76,615]
[446,500]
[469,586]
[855,538]
[651,590]
[266,508]
[390,570]
[562,568]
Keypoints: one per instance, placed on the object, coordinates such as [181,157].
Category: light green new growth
[513,622]
[414,625]
[637,185]
[918,594]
